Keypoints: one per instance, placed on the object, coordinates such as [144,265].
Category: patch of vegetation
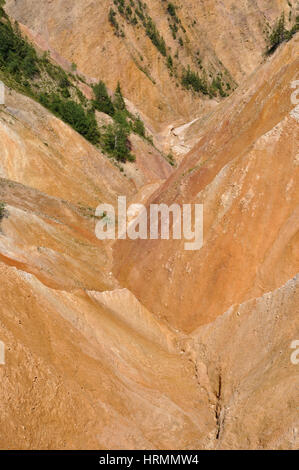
[112,19]
[280,34]
[84,122]
[171,160]
[2,12]
[118,100]
[102,101]
[191,79]
[16,55]
[143,69]
[155,37]
[2,210]
[115,137]
[174,22]
[217,87]
[174,30]
[40,79]
[172,11]
[169,62]
[126,11]
[37,77]
[138,127]
[115,142]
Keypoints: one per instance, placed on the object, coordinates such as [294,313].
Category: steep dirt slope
[213,36]
[96,370]
[248,354]
[41,151]
[142,345]
[244,171]
[53,239]
[84,369]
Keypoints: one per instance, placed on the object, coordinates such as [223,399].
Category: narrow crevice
[214,394]
[219,415]
[196,373]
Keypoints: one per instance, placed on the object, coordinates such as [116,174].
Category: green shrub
[118,99]
[191,79]
[112,18]
[73,114]
[138,127]
[174,30]
[2,12]
[155,37]
[129,11]
[170,159]
[102,101]
[2,210]
[280,34]
[169,62]
[216,86]
[171,9]
[115,143]
[57,91]
[294,29]
[17,56]
[64,82]
[65,93]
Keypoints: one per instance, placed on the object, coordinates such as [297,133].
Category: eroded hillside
[147,45]
[244,166]
[141,344]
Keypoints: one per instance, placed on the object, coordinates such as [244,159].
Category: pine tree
[119,102]
[116,143]
[102,100]
[278,34]
[138,127]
